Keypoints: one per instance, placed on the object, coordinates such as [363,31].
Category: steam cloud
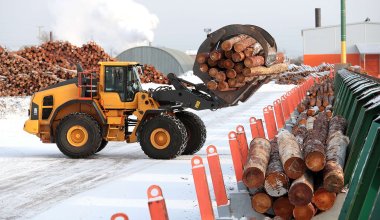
[114,24]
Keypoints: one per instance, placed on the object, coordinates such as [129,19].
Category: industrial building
[164,59]
[322,44]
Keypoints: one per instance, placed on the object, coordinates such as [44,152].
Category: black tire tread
[196,121]
[97,134]
[179,126]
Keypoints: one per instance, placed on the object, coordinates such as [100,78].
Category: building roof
[164,59]
[369,48]
[331,26]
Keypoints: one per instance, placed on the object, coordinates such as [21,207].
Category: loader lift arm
[198,98]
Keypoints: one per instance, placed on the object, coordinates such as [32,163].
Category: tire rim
[77,136]
[160,138]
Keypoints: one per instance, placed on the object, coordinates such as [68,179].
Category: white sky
[181,23]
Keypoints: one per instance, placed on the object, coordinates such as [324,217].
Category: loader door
[120,86]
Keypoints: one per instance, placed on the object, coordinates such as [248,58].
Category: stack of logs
[33,68]
[297,74]
[151,74]
[299,173]
[238,61]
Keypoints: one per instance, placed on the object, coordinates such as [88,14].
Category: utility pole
[343,31]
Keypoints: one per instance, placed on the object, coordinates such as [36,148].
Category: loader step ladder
[87,85]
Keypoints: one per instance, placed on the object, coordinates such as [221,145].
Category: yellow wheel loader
[83,114]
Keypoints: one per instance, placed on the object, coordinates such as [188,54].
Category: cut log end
[315,161]
[300,194]
[283,208]
[323,199]
[333,178]
[294,167]
[261,202]
[304,212]
[253,177]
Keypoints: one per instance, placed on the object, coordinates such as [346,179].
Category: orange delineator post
[119,215]
[201,188]
[278,113]
[285,108]
[290,103]
[156,203]
[242,140]
[260,127]
[216,176]
[270,122]
[253,126]
[236,156]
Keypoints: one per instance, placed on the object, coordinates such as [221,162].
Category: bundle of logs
[299,173]
[151,74]
[238,61]
[33,68]
[297,74]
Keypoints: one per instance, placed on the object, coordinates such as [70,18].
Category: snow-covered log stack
[236,62]
[319,98]
[33,68]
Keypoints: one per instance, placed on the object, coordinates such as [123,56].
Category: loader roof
[118,63]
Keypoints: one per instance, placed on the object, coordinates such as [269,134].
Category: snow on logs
[276,182]
[333,177]
[238,61]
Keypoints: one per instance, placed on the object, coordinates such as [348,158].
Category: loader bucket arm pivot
[199,98]
[214,40]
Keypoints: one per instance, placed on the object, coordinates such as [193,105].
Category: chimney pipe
[318,17]
[51,36]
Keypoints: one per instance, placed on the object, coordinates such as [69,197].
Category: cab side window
[115,80]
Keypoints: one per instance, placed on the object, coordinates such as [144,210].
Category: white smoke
[114,24]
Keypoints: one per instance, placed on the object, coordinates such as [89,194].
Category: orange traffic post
[290,103]
[201,188]
[284,105]
[156,203]
[270,122]
[216,176]
[253,126]
[236,156]
[119,216]
[279,114]
[242,140]
[260,127]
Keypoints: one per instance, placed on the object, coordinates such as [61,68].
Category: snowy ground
[38,182]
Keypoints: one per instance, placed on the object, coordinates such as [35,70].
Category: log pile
[297,74]
[236,62]
[304,166]
[33,68]
[151,74]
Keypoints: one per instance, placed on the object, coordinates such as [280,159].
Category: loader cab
[119,83]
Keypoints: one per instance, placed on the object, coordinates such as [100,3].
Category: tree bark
[276,182]
[291,155]
[256,165]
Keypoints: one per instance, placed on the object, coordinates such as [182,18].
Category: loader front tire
[163,137]
[78,135]
[196,131]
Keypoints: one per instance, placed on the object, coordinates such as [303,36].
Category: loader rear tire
[163,137]
[78,135]
[196,131]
